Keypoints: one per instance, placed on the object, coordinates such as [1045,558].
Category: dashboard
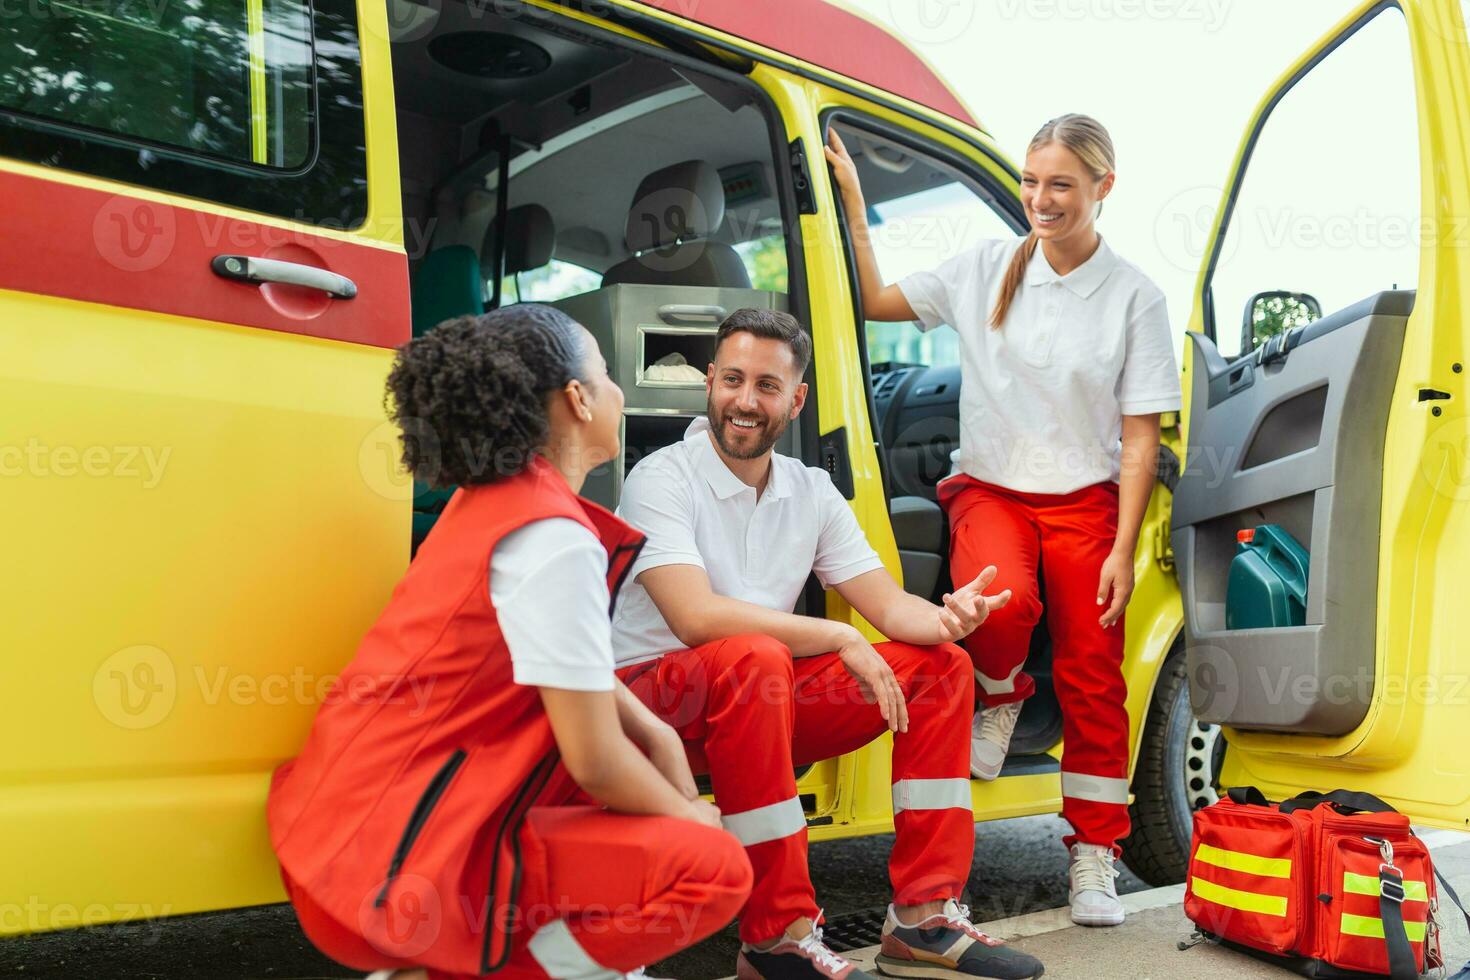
[918,410]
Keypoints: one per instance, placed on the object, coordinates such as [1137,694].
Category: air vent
[502,57]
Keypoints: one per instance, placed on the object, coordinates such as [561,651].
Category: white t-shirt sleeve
[931,292]
[843,551]
[1149,382]
[660,503]
[548,581]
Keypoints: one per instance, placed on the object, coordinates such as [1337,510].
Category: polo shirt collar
[1083,280]
[707,460]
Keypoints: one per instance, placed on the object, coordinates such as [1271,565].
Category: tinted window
[252,103]
[1329,204]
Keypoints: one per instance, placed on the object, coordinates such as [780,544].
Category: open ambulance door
[1324,402]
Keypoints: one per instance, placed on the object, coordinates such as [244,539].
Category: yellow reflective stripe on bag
[1371,928]
[1414,891]
[1234,898]
[1252,864]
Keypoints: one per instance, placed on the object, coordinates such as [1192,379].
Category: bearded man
[704,634]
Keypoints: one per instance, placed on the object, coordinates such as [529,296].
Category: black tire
[1178,772]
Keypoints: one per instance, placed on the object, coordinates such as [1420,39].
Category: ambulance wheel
[1178,773]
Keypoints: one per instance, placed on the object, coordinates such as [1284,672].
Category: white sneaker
[1091,892]
[990,737]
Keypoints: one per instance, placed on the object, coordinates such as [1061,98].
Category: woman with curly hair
[431,825]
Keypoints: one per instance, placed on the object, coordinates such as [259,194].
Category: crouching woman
[431,824]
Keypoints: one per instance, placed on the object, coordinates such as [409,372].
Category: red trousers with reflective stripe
[1064,538]
[614,891]
[749,713]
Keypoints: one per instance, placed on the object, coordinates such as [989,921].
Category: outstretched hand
[967,607]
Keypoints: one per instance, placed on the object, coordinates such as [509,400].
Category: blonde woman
[1067,363]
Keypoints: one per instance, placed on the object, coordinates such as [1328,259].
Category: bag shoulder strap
[1346,798]
[1247,796]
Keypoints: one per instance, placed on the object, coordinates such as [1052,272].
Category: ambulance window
[255,104]
[217,77]
[553,281]
[765,262]
[1328,206]
[920,212]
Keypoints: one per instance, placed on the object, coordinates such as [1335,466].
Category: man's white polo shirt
[1042,399]
[696,512]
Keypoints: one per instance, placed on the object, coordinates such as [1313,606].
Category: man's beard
[766,436]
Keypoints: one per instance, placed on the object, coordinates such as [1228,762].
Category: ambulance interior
[639,196]
[642,196]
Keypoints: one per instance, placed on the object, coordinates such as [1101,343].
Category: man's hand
[876,679]
[967,607]
[702,811]
[1116,577]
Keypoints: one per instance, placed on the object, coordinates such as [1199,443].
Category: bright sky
[1175,82]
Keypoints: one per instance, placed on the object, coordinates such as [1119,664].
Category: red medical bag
[1336,883]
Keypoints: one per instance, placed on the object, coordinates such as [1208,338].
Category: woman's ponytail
[1014,273]
[1085,137]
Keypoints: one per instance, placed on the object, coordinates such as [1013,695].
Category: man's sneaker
[990,737]
[947,944]
[796,959]
[1092,893]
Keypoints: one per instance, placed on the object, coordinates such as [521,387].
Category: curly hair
[470,395]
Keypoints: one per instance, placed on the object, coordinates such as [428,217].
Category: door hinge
[1163,548]
[801,177]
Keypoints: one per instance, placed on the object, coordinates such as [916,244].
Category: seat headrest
[675,204]
[529,244]
[446,284]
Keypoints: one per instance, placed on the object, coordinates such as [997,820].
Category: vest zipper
[418,818]
[539,777]
[617,585]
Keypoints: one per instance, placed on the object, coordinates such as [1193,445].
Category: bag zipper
[418,818]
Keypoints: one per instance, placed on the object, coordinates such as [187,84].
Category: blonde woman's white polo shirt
[1042,399]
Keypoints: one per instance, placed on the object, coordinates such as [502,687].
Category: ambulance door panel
[1291,368]
[203,508]
[1297,442]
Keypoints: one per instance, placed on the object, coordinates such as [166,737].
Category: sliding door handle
[248,268]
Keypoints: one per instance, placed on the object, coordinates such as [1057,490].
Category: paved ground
[1017,888]
[1020,868]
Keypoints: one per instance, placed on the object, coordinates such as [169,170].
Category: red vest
[408,797]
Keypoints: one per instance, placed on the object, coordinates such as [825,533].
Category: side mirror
[1275,312]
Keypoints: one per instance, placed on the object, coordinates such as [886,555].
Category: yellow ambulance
[221,217]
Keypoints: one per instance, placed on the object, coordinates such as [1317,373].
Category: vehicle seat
[446,284]
[923,543]
[530,241]
[674,211]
